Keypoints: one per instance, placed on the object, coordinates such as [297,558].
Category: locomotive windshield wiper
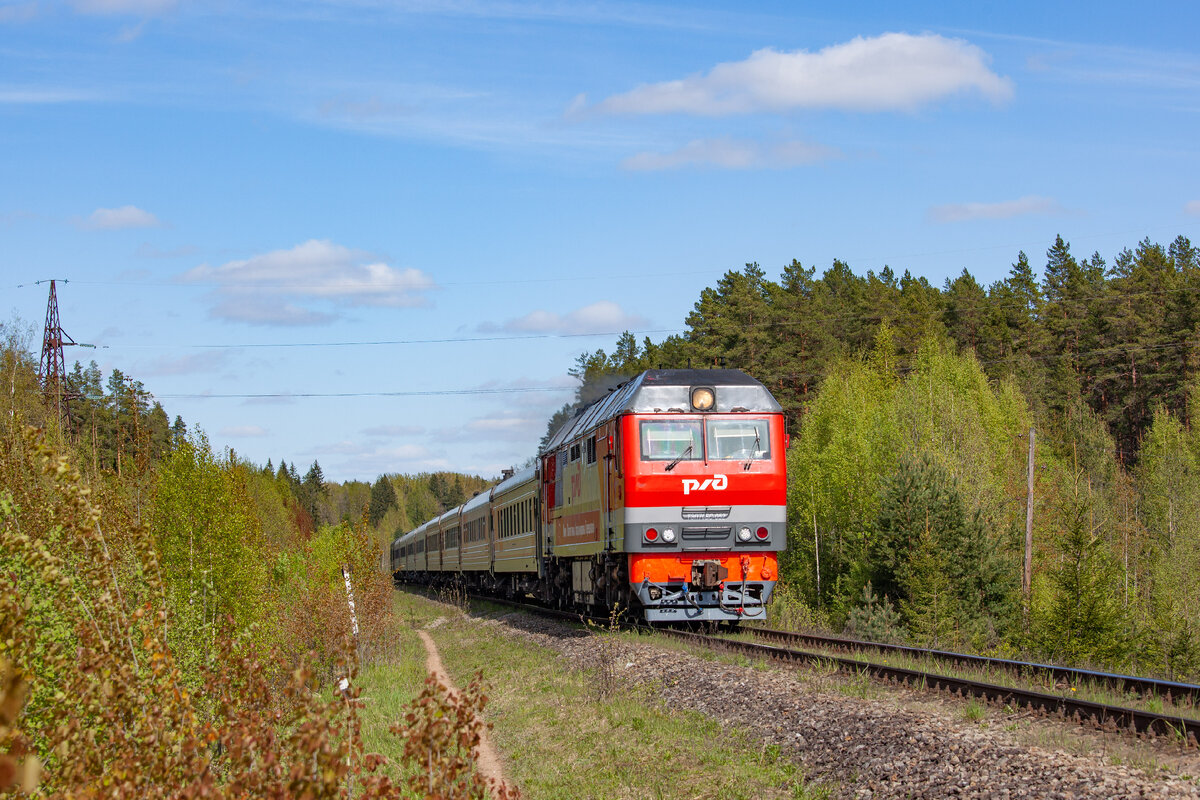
[753,451]
[681,457]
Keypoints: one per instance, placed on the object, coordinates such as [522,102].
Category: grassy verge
[389,685]
[558,739]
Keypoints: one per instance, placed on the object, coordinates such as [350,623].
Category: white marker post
[350,603]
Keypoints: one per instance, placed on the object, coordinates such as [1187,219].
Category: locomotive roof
[667,390]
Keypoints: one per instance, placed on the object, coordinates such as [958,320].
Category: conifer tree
[933,555]
[313,491]
[1084,621]
[383,499]
[966,312]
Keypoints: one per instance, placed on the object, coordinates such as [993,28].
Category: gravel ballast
[888,743]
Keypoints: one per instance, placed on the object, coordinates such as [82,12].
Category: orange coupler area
[729,586]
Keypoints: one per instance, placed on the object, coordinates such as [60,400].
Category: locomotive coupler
[708,574]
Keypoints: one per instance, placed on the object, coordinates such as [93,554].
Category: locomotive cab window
[730,439]
[664,440]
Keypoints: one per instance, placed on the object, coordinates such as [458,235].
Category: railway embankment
[857,738]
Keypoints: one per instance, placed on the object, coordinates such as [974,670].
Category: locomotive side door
[549,489]
[606,457]
[539,535]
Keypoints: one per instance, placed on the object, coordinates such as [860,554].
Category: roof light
[703,398]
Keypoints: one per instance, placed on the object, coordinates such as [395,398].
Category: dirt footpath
[486,759]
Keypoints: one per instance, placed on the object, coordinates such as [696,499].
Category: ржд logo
[716,482]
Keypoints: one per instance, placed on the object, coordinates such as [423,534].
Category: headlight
[668,535]
[703,398]
[744,534]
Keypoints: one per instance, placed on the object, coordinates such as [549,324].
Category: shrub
[111,712]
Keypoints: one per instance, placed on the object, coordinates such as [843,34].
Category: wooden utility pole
[1027,578]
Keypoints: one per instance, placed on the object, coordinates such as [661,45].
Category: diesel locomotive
[666,498]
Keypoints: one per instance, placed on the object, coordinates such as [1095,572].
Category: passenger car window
[668,440]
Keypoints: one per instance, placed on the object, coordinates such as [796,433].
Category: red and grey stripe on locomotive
[668,497]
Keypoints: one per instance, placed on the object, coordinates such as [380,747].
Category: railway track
[1104,715]
[1049,675]
[1108,716]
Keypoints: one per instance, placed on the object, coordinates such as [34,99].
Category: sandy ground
[486,759]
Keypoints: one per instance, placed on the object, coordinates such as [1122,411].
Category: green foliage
[848,442]
[210,544]
[312,491]
[875,620]
[1169,479]
[935,558]
[943,413]
[1080,617]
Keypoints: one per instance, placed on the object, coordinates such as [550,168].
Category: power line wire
[388,342]
[415,393]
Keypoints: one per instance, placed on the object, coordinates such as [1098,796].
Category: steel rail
[1104,715]
[1130,683]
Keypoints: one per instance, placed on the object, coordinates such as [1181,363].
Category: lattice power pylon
[53,371]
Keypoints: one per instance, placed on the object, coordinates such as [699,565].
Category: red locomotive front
[705,495]
[666,497]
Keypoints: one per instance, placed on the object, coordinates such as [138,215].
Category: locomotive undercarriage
[602,582]
[698,588]
[687,602]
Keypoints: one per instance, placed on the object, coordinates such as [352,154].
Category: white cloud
[393,430]
[363,460]
[272,288]
[604,316]
[515,427]
[732,154]
[892,72]
[243,432]
[123,218]
[147,250]
[1192,208]
[123,7]
[191,364]
[963,212]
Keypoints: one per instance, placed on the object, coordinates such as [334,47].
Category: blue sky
[399,202]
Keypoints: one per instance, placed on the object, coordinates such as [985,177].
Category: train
[665,499]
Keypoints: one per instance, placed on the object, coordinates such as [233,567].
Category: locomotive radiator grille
[695,533]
